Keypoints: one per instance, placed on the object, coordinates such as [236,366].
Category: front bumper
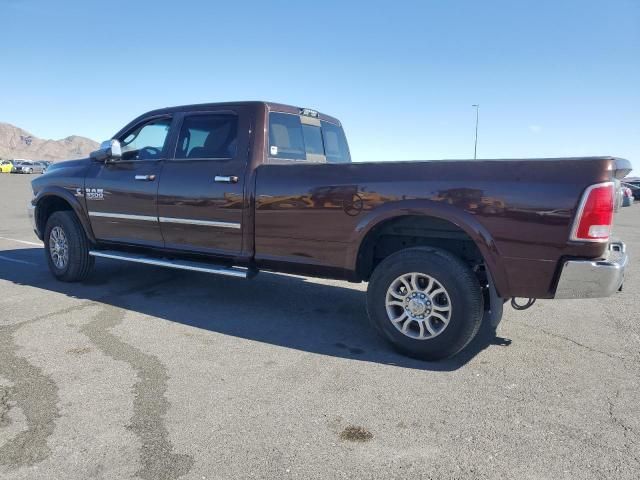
[31,213]
[594,278]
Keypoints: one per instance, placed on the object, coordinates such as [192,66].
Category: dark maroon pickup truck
[234,188]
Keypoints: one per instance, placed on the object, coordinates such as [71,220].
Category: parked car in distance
[16,163]
[634,185]
[6,166]
[45,165]
[627,196]
[236,188]
[29,167]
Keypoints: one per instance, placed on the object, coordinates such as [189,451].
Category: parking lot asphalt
[143,372]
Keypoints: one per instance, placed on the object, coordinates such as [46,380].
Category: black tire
[79,262]
[462,286]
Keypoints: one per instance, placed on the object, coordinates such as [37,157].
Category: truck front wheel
[426,302]
[67,247]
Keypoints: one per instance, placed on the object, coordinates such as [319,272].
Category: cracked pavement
[142,372]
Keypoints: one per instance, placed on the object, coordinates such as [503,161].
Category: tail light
[595,214]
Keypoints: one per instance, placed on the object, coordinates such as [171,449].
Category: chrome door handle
[222,179]
[145,178]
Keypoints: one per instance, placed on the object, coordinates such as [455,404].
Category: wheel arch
[58,199]
[462,227]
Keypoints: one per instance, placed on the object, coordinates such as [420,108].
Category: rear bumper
[594,278]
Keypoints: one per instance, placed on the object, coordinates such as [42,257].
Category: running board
[178,264]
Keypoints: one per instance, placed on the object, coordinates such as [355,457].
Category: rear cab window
[306,138]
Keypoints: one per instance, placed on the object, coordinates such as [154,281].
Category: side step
[178,264]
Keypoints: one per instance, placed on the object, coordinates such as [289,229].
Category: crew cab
[236,188]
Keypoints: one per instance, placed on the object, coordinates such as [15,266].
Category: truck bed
[519,211]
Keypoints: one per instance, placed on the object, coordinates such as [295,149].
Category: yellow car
[5,166]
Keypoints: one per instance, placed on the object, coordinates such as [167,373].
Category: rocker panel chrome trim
[205,223]
[177,264]
[123,216]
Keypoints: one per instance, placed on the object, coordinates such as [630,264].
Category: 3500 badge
[90,193]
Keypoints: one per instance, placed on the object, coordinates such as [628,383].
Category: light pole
[475,146]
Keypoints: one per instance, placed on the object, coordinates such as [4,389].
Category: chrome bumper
[594,278]
[31,213]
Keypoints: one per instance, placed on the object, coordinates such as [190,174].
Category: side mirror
[109,150]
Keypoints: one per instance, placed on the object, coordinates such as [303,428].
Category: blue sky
[553,78]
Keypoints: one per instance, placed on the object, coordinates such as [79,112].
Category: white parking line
[22,241]
[2,257]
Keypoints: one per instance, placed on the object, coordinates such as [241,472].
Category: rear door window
[213,136]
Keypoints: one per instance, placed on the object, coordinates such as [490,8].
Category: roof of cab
[271,106]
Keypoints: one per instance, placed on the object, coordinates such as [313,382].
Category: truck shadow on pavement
[292,312]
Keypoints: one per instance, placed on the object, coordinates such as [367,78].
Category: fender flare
[460,218]
[72,200]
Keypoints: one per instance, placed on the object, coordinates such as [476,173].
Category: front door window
[146,141]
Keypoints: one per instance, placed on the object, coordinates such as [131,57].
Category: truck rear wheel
[426,302]
[67,247]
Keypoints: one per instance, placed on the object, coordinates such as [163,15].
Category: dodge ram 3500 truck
[234,188]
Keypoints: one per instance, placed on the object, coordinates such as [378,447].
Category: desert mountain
[18,143]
